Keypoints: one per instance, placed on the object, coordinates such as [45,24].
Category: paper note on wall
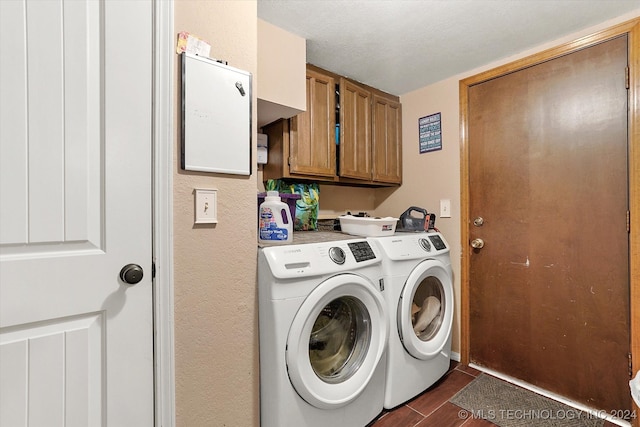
[192,44]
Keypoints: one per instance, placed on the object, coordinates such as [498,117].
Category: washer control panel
[321,258]
[337,255]
[361,251]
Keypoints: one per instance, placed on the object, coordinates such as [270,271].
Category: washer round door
[425,309]
[336,341]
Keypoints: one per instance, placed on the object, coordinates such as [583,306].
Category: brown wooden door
[549,291]
[387,140]
[355,131]
[312,133]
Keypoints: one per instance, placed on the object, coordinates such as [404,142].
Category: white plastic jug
[634,384]
[274,222]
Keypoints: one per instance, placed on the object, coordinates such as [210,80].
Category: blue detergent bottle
[274,222]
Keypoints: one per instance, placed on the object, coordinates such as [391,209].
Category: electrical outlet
[206,206]
[445,208]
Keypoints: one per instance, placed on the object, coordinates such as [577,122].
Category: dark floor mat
[508,405]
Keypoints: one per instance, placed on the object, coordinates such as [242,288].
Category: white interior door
[76,343]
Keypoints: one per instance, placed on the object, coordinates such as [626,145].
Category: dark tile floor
[432,408]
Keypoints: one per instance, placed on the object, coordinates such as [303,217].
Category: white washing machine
[419,297]
[323,334]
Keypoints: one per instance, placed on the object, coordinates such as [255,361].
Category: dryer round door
[425,309]
[336,340]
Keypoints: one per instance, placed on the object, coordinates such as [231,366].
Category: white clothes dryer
[419,296]
[323,334]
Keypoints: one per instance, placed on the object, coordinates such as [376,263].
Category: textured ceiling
[402,45]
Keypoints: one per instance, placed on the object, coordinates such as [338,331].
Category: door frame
[632,29]
[162,218]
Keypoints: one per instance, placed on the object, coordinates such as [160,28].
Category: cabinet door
[387,140]
[312,133]
[355,131]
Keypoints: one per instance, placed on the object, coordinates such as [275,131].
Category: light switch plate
[206,206]
[445,208]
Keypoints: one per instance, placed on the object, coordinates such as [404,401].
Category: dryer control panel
[407,246]
[437,242]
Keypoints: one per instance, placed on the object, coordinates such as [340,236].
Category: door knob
[131,274]
[477,243]
[478,221]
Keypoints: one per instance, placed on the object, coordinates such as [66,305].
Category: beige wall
[281,66]
[216,352]
[216,336]
[336,200]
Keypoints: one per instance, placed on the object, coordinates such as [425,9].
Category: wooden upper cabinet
[312,133]
[304,147]
[387,140]
[355,131]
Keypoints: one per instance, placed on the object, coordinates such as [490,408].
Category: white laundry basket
[368,226]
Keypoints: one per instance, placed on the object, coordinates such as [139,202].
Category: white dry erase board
[216,117]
